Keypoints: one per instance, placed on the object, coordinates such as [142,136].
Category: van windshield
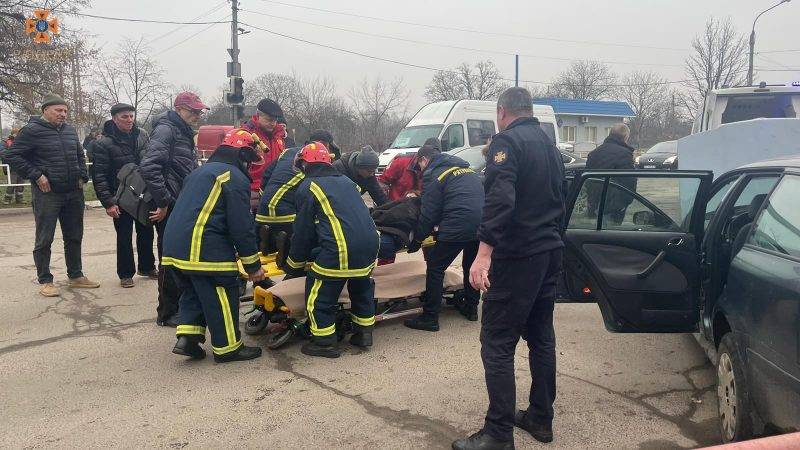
[749,106]
[549,130]
[416,136]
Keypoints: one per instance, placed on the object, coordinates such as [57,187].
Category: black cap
[270,107]
[321,135]
[119,107]
[430,148]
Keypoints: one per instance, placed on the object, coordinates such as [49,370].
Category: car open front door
[632,240]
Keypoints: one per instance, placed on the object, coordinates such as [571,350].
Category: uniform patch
[500,157]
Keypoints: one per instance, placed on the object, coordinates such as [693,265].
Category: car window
[549,130]
[778,227]
[453,137]
[478,131]
[415,136]
[716,199]
[635,203]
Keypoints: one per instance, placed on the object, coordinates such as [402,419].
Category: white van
[458,124]
[730,105]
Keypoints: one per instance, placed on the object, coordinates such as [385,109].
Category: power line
[474,31]
[213,9]
[420,66]
[414,41]
[202,30]
[780,51]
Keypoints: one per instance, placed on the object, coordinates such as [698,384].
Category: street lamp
[753,41]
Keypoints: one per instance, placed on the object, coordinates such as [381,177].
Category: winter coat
[277,204]
[113,150]
[346,165]
[169,158]
[211,223]
[613,153]
[275,143]
[452,198]
[41,148]
[398,218]
[401,176]
[332,216]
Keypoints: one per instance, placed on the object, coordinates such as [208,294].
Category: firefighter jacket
[332,216]
[211,222]
[277,202]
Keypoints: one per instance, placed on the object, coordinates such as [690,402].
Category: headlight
[671,159]
[637,159]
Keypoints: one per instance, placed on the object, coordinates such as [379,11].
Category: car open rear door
[632,240]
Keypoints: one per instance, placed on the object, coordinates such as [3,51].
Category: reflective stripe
[338,273]
[446,173]
[273,202]
[250,259]
[295,265]
[336,226]
[202,218]
[226,349]
[362,321]
[190,329]
[227,319]
[202,266]
[260,218]
[312,298]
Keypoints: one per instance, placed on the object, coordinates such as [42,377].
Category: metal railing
[7,178]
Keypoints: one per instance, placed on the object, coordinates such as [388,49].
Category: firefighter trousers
[213,302]
[322,300]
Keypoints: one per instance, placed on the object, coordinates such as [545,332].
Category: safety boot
[469,311]
[424,322]
[244,353]
[324,346]
[362,336]
[540,432]
[189,346]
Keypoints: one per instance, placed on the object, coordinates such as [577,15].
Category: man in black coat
[47,152]
[121,143]
[613,153]
[360,167]
[168,160]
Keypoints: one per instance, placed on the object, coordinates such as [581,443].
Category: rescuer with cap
[209,226]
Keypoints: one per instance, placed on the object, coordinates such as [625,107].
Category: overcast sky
[666,27]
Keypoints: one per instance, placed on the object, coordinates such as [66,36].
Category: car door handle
[652,266]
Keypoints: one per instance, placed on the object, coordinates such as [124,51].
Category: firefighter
[332,216]
[209,225]
[277,209]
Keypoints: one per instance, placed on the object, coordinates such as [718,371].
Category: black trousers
[126,267]
[520,303]
[65,208]
[212,302]
[322,299]
[439,258]
[168,291]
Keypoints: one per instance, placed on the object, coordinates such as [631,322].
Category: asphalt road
[91,369]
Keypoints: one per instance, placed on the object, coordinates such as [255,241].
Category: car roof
[792,161]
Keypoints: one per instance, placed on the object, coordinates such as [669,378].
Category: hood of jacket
[111,130]
[172,119]
[446,160]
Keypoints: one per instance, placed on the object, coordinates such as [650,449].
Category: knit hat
[120,107]
[52,99]
[270,107]
[367,158]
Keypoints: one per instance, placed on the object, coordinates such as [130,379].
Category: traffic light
[236,95]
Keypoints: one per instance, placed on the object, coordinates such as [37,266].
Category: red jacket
[275,144]
[402,176]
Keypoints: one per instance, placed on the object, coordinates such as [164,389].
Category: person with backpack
[170,156]
[121,143]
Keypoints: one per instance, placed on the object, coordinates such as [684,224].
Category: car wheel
[733,393]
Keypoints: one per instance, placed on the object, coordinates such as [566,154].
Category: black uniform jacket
[277,201]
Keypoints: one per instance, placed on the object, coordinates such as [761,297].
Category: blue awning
[586,107]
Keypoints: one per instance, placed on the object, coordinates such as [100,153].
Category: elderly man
[267,125]
[613,153]
[47,152]
[121,143]
[170,157]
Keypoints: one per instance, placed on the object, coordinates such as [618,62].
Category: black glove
[414,246]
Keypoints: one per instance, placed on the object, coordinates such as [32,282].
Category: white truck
[458,124]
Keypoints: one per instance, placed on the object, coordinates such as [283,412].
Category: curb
[92,204]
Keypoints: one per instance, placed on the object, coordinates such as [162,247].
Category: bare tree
[131,75]
[481,81]
[584,80]
[380,110]
[646,93]
[281,88]
[718,58]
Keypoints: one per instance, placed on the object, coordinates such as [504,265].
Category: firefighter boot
[189,346]
[242,354]
[362,337]
[324,346]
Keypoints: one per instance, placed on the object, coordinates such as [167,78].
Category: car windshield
[670,147]
[549,130]
[474,156]
[752,106]
[415,136]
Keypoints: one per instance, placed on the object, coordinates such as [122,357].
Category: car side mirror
[647,218]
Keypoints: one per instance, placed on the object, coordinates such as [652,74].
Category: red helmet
[244,140]
[315,152]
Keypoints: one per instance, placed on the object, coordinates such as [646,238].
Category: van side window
[479,131]
[776,229]
[453,137]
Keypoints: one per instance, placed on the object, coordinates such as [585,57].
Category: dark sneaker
[126,282]
[482,441]
[542,433]
[187,346]
[422,322]
[322,348]
[243,354]
[362,338]
[152,274]
[469,311]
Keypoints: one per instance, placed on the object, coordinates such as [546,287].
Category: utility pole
[516,70]
[753,41]
[235,97]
